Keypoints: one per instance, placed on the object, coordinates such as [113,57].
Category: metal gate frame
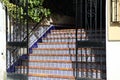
[17,39]
[90,15]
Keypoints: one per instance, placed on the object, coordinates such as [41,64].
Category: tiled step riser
[85,59]
[79,30]
[55,72]
[69,51]
[51,58]
[64,35]
[53,51]
[68,30]
[94,75]
[57,40]
[67,65]
[67,40]
[61,40]
[46,78]
[67,33]
[56,45]
[21,71]
[57,65]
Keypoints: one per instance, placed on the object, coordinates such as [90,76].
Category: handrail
[13,60]
[16,48]
[41,33]
[36,26]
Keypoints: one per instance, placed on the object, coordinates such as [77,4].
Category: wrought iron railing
[89,49]
[17,37]
[90,15]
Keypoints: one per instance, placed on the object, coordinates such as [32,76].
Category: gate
[90,17]
[90,46]
[17,40]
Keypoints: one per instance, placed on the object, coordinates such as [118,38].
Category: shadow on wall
[115,24]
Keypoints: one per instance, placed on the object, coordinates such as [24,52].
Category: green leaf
[35,9]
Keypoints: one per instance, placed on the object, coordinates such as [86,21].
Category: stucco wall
[112,46]
[113,28]
[2,44]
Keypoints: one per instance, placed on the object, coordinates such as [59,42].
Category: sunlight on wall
[113,47]
[2,44]
[113,28]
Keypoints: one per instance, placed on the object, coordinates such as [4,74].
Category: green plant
[36,11]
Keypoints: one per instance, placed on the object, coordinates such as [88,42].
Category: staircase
[54,58]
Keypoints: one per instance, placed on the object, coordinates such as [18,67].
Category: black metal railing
[90,15]
[90,49]
[17,38]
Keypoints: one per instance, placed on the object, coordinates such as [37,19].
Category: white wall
[113,47]
[2,43]
[113,60]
